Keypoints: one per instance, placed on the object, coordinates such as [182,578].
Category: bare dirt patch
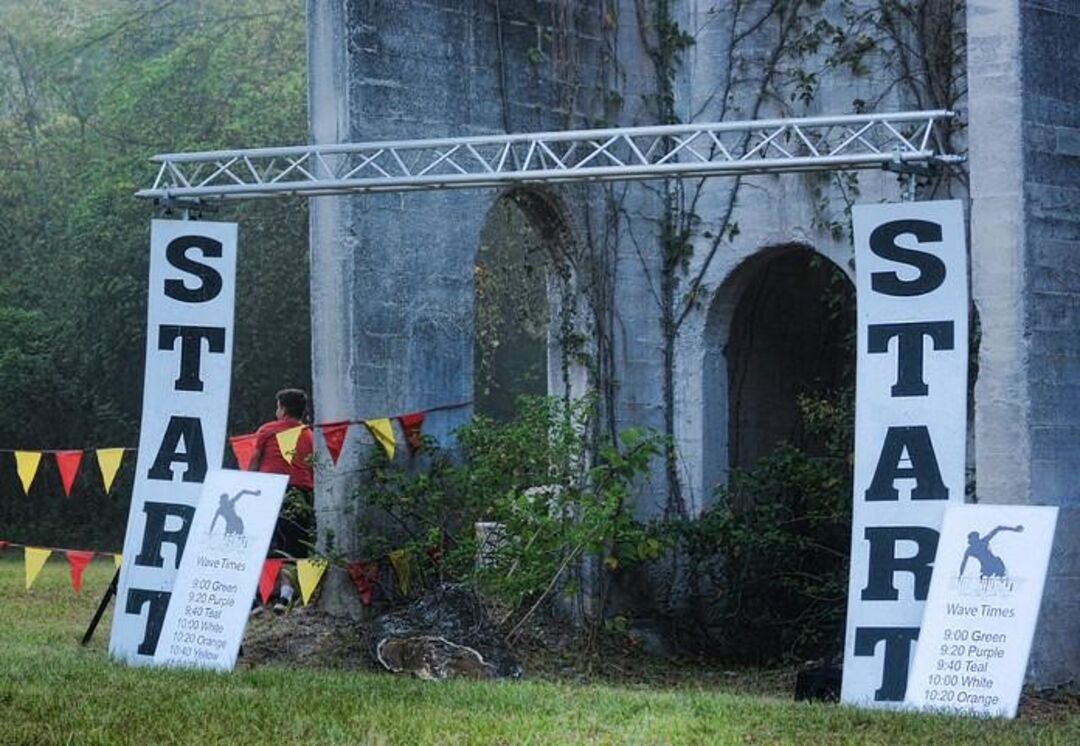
[308,638]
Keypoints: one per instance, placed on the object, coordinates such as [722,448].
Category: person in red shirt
[293,533]
[291,407]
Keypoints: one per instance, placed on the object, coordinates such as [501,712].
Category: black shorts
[295,529]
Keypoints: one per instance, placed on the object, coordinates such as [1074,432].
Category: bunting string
[58,550]
[109,460]
[309,570]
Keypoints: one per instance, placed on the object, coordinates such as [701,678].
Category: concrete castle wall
[1025,238]
[392,286]
[391,279]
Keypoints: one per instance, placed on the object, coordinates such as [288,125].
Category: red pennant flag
[363,576]
[270,570]
[334,435]
[78,561]
[243,447]
[411,425]
[3,545]
[68,464]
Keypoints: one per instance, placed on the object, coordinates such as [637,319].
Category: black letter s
[931,268]
[176,253]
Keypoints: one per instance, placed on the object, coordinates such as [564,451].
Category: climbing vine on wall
[767,58]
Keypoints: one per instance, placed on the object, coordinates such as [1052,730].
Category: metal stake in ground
[109,593]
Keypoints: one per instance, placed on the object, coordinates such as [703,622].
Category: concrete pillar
[333,246]
[1025,248]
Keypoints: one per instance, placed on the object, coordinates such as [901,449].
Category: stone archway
[510,313]
[780,326]
[524,303]
[791,335]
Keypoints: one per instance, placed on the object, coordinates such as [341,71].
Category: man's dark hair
[293,401]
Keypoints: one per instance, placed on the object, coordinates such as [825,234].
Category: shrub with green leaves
[551,497]
[769,562]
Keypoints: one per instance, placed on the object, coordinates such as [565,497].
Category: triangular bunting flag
[268,578]
[27,464]
[109,462]
[411,425]
[78,561]
[35,560]
[334,435]
[383,433]
[243,447]
[286,441]
[309,572]
[117,558]
[399,558]
[68,464]
[363,576]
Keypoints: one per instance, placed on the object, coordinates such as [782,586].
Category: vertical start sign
[189,340]
[910,430]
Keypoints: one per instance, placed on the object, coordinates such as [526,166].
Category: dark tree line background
[89,89]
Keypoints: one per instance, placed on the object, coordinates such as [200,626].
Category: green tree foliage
[89,89]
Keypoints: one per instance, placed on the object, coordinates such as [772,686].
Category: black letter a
[194,454]
[924,466]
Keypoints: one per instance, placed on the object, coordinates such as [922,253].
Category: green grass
[52,691]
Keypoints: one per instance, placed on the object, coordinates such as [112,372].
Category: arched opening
[780,331]
[791,335]
[524,304]
[510,312]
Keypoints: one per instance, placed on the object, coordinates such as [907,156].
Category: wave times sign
[910,430]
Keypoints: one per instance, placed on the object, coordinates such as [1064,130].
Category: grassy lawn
[52,691]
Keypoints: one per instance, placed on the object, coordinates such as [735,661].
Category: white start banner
[189,340]
[910,430]
[226,546]
[980,617]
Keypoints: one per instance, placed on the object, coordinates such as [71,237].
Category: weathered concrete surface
[391,275]
[1025,214]
[1051,151]
[333,256]
[771,211]
[392,285]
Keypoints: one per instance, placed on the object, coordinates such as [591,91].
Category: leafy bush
[769,563]
[533,478]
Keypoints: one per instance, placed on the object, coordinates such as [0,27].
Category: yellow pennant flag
[116,560]
[286,441]
[27,464]
[35,560]
[383,433]
[309,572]
[109,462]
[399,558]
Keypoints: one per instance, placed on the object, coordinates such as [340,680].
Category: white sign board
[910,425]
[226,547]
[189,339]
[980,616]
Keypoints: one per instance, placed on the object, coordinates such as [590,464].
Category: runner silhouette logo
[234,524]
[978,548]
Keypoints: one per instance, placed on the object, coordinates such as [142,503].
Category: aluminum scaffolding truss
[857,141]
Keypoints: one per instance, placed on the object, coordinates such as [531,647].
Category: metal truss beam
[856,141]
